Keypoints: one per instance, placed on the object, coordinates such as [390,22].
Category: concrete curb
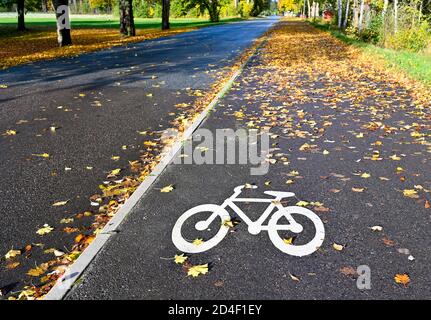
[67,280]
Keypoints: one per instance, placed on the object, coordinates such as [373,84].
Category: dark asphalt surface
[98,102]
[135,263]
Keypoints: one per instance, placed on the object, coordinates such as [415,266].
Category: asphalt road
[97,102]
[137,262]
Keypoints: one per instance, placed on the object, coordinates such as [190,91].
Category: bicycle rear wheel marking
[186,246]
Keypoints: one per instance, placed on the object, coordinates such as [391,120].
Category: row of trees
[126,11]
[399,24]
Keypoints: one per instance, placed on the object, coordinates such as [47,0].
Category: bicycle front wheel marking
[186,246]
[296,250]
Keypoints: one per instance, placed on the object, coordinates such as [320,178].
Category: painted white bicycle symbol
[254,227]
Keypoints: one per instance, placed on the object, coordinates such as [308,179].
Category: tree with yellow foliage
[288,5]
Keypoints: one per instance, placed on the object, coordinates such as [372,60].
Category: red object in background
[327,15]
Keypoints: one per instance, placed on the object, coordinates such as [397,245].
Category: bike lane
[138,262]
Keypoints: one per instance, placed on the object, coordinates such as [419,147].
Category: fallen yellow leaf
[12,254]
[180,259]
[337,246]
[38,271]
[288,241]
[195,271]
[114,173]
[46,229]
[42,155]
[168,188]
[10,132]
[60,203]
[402,278]
[12,265]
[197,242]
[302,203]
[150,143]
[410,193]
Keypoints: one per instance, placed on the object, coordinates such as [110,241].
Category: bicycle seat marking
[254,227]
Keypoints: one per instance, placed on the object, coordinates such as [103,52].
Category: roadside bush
[413,39]
[229,10]
[245,9]
[373,31]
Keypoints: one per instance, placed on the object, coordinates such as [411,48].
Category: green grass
[107,22]
[416,65]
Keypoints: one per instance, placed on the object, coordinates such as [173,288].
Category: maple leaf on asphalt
[302,203]
[288,241]
[180,259]
[114,173]
[38,271]
[402,278]
[410,193]
[197,270]
[46,229]
[197,242]
[228,223]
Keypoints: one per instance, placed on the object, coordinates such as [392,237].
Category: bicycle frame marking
[254,226]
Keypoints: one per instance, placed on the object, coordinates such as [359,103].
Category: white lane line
[66,281]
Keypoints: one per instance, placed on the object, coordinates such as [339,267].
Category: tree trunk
[213,11]
[385,9]
[44,6]
[340,13]
[20,11]
[127,23]
[309,9]
[165,14]
[355,14]
[346,17]
[361,16]
[63,23]
[395,16]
